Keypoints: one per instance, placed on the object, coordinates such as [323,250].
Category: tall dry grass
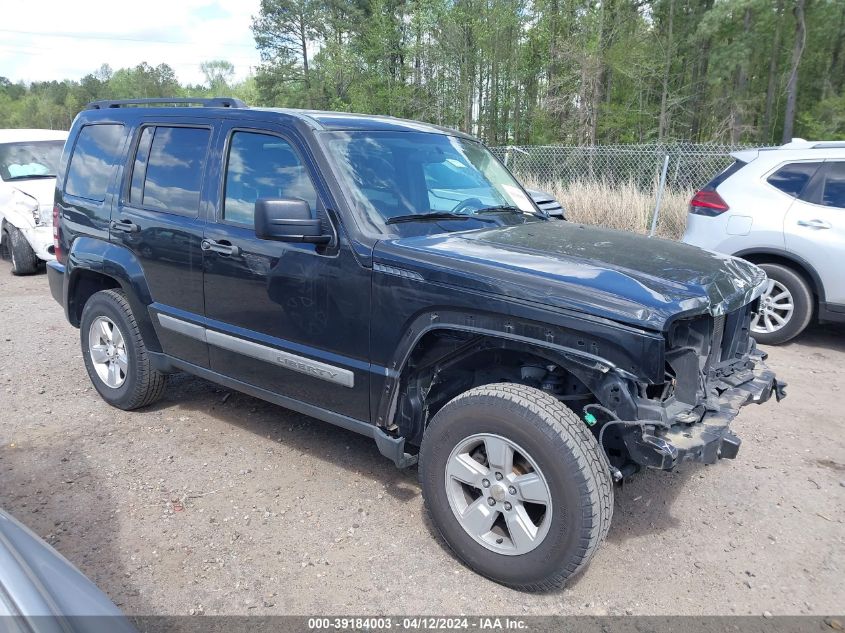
[627,206]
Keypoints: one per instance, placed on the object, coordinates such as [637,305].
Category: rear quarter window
[92,161]
[721,177]
[792,178]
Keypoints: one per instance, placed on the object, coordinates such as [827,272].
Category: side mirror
[287,220]
[558,214]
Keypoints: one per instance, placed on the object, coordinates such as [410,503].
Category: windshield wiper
[511,209]
[433,217]
[30,177]
[499,208]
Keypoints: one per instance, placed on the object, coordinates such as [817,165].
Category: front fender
[39,236]
[18,219]
[606,358]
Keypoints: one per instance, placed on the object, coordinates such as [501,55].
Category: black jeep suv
[392,278]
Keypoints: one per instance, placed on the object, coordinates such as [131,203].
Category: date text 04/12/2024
[417,623]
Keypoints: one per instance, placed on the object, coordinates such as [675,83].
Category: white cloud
[57,39]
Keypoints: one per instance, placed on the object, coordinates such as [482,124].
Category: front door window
[262,166]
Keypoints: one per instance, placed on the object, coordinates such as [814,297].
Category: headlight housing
[46,215]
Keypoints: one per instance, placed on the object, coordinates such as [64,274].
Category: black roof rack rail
[214,102]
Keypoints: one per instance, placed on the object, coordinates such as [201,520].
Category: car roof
[23,135]
[350,121]
[322,120]
[797,148]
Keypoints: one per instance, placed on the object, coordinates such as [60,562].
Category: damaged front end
[713,368]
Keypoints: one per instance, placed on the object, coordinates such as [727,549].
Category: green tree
[218,75]
[284,30]
[521,71]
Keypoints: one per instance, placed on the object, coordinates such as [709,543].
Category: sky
[67,39]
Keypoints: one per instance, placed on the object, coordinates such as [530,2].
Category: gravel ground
[214,502]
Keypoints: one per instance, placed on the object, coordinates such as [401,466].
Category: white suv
[28,162]
[783,209]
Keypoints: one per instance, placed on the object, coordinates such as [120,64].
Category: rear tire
[786,288]
[115,355]
[23,258]
[551,445]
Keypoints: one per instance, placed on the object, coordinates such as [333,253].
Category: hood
[614,274]
[37,581]
[42,189]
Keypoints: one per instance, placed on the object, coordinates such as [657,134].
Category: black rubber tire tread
[802,299]
[578,452]
[147,385]
[23,258]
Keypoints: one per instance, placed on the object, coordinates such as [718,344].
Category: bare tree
[664,98]
[740,85]
[792,84]
[773,74]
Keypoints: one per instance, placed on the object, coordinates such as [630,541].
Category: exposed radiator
[715,355]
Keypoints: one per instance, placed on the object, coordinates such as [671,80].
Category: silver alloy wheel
[776,308]
[498,494]
[107,348]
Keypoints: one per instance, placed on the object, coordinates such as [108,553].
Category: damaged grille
[730,336]
[705,348]
[715,355]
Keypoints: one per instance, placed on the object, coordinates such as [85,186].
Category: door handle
[223,247]
[815,224]
[127,226]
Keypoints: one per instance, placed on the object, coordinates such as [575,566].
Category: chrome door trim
[190,330]
[294,362]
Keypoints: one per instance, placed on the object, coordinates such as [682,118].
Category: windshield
[397,174]
[35,159]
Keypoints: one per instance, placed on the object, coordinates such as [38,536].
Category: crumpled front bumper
[710,439]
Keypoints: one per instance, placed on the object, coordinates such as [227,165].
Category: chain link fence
[592,181]
[691,165]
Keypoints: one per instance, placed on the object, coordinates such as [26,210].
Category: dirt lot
[218,503]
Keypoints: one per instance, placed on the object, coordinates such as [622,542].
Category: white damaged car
[28,161]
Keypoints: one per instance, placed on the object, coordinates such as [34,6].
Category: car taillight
[57,248]
[707,202]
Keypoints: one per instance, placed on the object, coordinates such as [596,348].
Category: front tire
[115,355]
[23,258]
[786,306]
[516,485]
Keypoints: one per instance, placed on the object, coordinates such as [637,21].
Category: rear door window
[833,190]
[792,178]
[94,154]
[168,169]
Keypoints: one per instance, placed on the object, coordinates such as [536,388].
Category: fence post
[660,189]
[677,169]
